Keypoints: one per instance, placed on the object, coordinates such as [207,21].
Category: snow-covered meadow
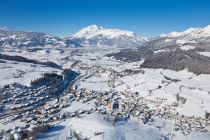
[22,73]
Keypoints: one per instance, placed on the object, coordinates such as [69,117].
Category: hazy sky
[64,17]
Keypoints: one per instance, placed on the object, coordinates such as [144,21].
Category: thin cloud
[3,28]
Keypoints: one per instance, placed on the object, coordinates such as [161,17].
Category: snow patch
[187,47]
[182,41]
[205,53]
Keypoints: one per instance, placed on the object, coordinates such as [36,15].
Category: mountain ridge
[193,32]
[94,35]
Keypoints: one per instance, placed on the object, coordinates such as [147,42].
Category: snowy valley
[105,84]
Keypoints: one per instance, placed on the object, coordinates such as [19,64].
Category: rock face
[207,115]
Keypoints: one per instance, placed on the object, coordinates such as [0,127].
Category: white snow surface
[205,53]
[187,47]
[22,73]
[183,41]
[90,124]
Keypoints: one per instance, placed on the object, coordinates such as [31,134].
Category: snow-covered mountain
[27,39]
[89,36]
[189,36]
[94,35]
[190,33]
[94,30]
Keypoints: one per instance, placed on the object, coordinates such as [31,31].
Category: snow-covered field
[91,124]
[22,73]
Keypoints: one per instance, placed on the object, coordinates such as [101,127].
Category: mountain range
[94,35]
[89,36]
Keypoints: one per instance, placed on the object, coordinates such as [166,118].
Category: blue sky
[64,17]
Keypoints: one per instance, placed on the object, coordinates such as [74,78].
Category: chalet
[34,122]
[47,107]
[73,114]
